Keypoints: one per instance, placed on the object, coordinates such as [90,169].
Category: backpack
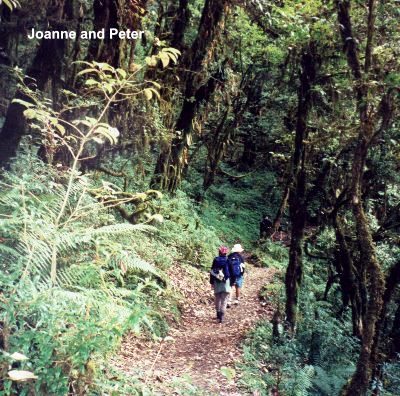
[236,266]
[217,271]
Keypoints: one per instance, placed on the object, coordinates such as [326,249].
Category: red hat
[223,250]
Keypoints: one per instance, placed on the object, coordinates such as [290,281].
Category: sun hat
[237,248]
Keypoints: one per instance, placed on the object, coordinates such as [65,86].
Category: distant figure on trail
[236,268]
[220,280]
[265,227]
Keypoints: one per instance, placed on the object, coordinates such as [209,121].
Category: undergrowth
[234,208]
[110,277]
[318,360]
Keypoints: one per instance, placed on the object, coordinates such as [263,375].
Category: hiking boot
[236,302]
[221,317]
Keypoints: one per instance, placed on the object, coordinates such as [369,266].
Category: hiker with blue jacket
[220,280]
[236,269]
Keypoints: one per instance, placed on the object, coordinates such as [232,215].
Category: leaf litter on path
[198,347]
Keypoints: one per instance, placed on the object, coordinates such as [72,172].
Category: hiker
[265,227]
[236,268]
[220,281]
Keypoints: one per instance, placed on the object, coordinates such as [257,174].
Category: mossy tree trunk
[281,210]
[251,84]
[180,25]
[391,346]
[105,17]
[254,105]
[173,160]
[358,384]
[46,65]
[395,334]
[348,278]
[297,190]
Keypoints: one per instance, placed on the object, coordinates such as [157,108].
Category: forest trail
[200,345]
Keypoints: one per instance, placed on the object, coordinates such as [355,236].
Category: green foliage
[165,56]
[65,326]
[282,364]
[390,384]
[319,360]
[193,241]
[100,290]
[273,254]
[184,234]
[234,210]
[229,373]
[273,292]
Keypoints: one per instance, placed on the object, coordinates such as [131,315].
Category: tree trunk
[180,24]
[359,382]
[282,207]
[215,151]
[105,17]
[226,129]
[45,65]
[392,345]
[348,279]
[134,22]
[395,334]
[254,102]
[174,160]
[297,191]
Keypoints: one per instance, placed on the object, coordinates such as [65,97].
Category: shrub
[62,302]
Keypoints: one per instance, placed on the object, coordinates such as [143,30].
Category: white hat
[237,248]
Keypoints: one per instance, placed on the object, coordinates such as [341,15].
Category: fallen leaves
[198,346]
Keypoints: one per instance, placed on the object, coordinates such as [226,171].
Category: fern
[299,381]
[106,281]
[129,261]
[7,250]
[123,228]
[30,215]
[330,383]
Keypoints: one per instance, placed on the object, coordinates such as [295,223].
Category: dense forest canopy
[128,155]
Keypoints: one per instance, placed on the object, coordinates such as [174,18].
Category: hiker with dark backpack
[236,269]
[220,280]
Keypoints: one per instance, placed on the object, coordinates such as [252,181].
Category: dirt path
[200,346]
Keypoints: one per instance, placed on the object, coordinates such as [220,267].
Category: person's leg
[218,303]
[224,302]
[232,296]
[238,286]
[237,291]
